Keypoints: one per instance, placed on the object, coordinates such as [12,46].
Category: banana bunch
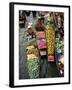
[32,51]
[31,56]
[30,47]
[50,36]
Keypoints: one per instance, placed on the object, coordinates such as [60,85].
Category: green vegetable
[33,68]
[59,45]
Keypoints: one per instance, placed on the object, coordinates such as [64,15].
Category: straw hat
[38,17]
[29,25]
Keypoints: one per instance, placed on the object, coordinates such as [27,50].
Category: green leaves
[33,68]
[59,45]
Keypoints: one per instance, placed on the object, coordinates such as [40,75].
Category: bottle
[50,37]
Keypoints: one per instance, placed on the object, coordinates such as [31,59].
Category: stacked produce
[32,51]
[50,38]
[59,44]
[32,55]
[33,61]
[33,67]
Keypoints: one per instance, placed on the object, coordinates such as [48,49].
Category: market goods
[50,36]
[59,44]
[41,43]
[33,68]
[33,51]
[31,56]
[30,47]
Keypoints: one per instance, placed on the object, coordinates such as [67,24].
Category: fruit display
[31,56]
[50,38]
[33,61]
[59,44]
[30,47]
[32,53]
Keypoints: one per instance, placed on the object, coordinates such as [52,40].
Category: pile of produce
[59,45]
[50,36]
[33,67]
[32,61]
